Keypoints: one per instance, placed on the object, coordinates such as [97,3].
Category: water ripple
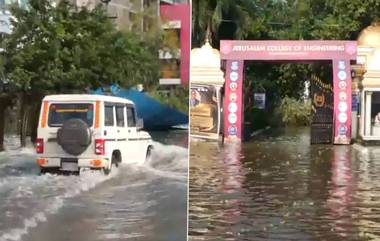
[278,187]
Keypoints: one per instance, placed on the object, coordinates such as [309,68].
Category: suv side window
[108,115]
[120,116]
[131,116]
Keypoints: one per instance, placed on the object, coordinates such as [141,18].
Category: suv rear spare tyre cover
[74,136]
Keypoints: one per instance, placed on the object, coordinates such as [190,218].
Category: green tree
[65,49]
[209,16]
[6,95]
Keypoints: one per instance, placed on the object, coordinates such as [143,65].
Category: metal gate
[322,99]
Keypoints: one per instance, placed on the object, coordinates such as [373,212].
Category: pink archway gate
[235,53]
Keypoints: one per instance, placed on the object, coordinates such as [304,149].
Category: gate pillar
[342,101]
[233,100]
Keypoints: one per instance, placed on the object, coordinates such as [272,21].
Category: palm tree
[212,16]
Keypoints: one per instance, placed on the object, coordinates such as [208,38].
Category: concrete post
[367,118]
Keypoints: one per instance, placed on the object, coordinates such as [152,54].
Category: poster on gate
[204,111]
[259,100]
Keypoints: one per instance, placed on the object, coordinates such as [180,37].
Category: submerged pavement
[279,187]
[146,202]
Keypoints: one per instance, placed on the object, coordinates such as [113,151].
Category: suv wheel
[149,154]
[116,160]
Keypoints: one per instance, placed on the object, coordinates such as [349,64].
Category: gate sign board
[287,50]
[339,52]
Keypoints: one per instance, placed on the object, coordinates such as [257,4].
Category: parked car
[89,131]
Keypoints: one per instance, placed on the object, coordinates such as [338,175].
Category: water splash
[28,199]
[169,161]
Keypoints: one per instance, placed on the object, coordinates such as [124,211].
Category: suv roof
[85,97]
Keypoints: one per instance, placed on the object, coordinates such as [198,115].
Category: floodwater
[147,202]
[279,187]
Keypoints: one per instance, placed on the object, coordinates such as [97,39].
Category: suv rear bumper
[54,162]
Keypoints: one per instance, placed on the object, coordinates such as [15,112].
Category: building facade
[367,87]
[127,14]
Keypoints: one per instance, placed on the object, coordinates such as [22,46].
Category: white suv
[89,131]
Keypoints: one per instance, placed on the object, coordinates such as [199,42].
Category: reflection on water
[278,187]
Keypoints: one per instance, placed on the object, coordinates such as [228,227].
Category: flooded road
[278,187]
[146,202]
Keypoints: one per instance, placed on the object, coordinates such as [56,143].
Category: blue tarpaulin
[156,115]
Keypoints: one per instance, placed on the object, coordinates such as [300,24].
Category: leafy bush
[258,118]
[295,112]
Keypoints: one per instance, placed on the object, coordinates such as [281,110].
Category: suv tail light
[40,145]
[99,146]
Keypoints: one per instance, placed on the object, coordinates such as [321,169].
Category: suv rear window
[59,113]
[131,117]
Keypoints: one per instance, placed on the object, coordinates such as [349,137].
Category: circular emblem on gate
[342,96]
[232,118]
[232,107]
[342,130]
[233,86]
[341,64]
[342,75]
[226,48]
[342,117]
[319,100]
[234,76]
[342,106]
[232,130]
[233,97]
[235,65]
[342,85]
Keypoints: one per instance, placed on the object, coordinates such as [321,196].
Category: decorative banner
[342,106]
[259,100]
[204,111]
[233,99]
[287,50]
